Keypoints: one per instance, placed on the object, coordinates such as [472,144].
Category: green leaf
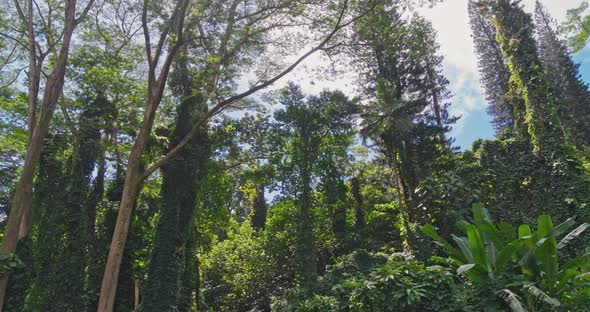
[480,214]
[571,269]
[430,231]
[572,235]
[524,230]
[463,244]
[477,246]
[507,253]
[539,294]
[560,229]
[545,249]
[490,232]
[508,232]
[492,238]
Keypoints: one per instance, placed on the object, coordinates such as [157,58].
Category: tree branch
[84,12]
[222,104]
[146,35]
[20,13]
[15,40]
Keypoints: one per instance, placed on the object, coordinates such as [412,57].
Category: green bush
[238,273]
[375,282]
[521,266]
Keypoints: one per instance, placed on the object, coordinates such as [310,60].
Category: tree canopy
[154,156]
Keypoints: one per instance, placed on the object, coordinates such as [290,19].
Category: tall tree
[400,73]
[172,253]
[493,68]
[308,124]
[159,59]
[571,92]
[513,25]
[57,48]
[514,32]
[221,50]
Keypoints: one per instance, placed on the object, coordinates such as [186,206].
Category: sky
[451,22]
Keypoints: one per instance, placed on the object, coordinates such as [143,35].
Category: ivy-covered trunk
[181,177]
[94,264]
[49,215]
[306,258]
[562,177]
[259,208]
[335,192]
[359,212]
[65,214]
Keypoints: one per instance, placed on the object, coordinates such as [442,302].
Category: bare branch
[16,40]
[267,83]
[166,31]
[20,13]
[41,15]
[146,34]
[179,42]
[14,79]
[84,12]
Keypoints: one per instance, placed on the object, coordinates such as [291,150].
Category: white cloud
[470,102]
[451,21]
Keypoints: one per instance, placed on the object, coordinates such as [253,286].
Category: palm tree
[387,121]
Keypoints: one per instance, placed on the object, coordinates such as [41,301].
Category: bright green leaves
[459,257]
[514,33]
[399,284]
[489,251]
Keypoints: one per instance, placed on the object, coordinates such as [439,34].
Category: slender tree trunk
[305,249]
[197,284]
[34,77]
[134,176]
[136,296]
[111,274]
[93,265]
[402,198]
[21,205]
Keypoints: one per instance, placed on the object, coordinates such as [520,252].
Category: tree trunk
[172,247]
[259,209]
[305,250]
[436,106]
[402,198]
[197,283]
[111,274]
[136,296]
[21,205]
[134,175]
[358,197]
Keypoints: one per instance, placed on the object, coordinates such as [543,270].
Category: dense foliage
[141,168]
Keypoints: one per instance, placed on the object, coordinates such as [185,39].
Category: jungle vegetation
[154,157]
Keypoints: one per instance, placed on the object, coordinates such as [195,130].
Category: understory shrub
[365,281]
